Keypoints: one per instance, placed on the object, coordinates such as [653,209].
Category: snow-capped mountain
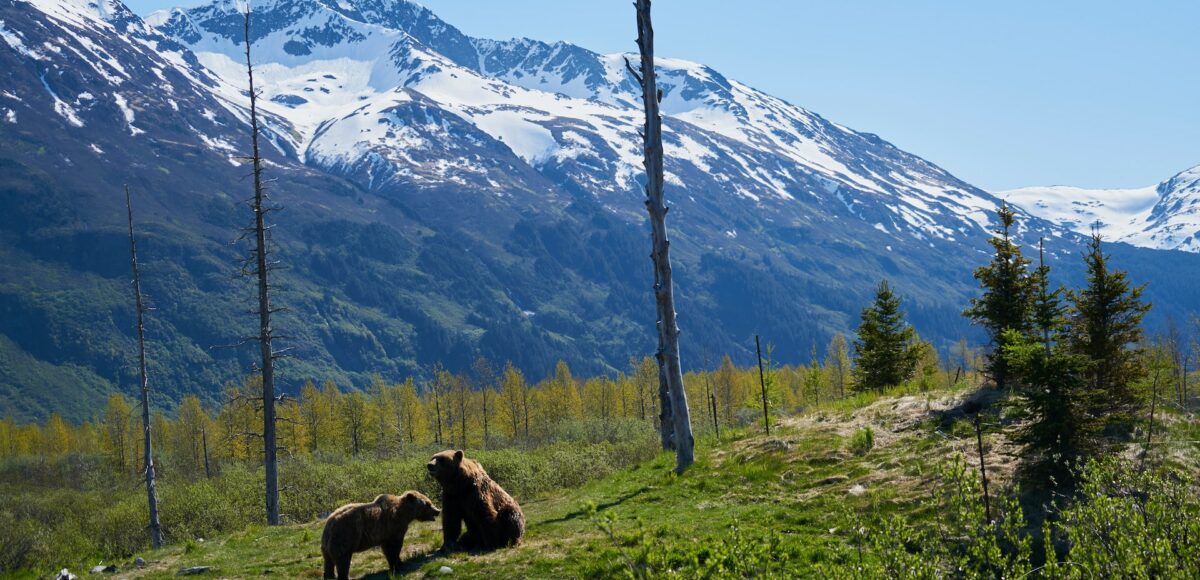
[1164,216]
[446,197]
[387,92]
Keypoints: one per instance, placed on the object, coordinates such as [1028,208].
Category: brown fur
[358,527]
[469,496]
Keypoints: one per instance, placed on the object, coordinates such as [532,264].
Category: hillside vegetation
[872,485]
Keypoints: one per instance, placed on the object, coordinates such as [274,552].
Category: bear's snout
[431,514]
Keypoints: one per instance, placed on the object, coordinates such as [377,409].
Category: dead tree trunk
[974,409]
[1044,290]
[485,415]
[664,292]
[204,440]
[437,409]
[712,399]
[1150,426]
[156,537]
[666,427]
[762,383]
[261,268]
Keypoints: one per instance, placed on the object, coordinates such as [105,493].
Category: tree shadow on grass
[600,507]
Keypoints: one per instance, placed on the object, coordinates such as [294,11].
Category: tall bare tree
[664,291]
[486,376]
[156,537]
[260,266]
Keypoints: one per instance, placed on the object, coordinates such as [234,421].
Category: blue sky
[1002,94]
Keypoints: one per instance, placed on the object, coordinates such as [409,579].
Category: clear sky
[1092,93]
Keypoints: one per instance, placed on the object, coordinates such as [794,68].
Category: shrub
[863,441]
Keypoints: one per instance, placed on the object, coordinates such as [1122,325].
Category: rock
[65,574]
[858,489]
[322,515]
[833,479]
[102,569]
[445,570]
[139,562]
[194,570]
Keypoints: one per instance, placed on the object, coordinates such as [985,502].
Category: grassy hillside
[812,498]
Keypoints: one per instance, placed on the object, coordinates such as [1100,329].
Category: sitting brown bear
[493,518]
[358,527]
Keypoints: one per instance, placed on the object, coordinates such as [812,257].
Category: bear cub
[358,527]
[469,496]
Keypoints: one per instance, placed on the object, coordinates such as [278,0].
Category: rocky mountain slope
[445,197]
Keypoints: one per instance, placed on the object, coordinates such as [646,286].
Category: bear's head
[420,506]
[446,466]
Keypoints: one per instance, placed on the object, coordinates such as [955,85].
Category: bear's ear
[458,456]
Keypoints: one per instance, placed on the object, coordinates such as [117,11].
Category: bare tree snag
[156,537]
[762,383]
[204,441]
[261,268]
[1150,425]
[666,426]
[973,409]
[664,292]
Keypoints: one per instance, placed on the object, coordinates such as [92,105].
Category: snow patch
[13,39]
[128,113]
[530,141]
[64,110]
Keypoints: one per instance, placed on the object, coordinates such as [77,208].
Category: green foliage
[1130,524]
[1054,396]
[1105,326]
[48,525]
[960,542]
[738,554]
[1008,292]
[863,441]
[885,344]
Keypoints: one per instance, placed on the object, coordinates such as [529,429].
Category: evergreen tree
[1007,296]
[1052,390]
[885,356]
[1105,325]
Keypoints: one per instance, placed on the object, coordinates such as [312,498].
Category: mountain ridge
[446,214]
[1161,216]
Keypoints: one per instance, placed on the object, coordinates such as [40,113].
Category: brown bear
[358,527]
[493,518]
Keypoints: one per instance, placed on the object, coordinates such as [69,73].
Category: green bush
[863,441]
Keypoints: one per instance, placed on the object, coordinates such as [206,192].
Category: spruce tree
[1052,390]
[1007,296]
[884,346]
[1104,328]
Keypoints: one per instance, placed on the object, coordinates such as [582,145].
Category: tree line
[488,407]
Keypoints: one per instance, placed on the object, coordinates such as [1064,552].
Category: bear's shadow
[412,564]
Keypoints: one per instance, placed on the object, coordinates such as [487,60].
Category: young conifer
[1007,296]
[885,356]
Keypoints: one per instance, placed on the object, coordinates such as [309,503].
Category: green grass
[809,500]
[793,487]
